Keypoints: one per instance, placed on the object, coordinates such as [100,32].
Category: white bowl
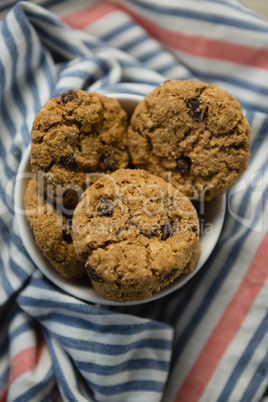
[211,220]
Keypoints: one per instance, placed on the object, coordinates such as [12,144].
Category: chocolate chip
[69,201]
[183,165]
[149,143]
[167,230]
[109,207]
[66,233]
[92,273]
[196,114]
[110,163]
[68,160]
[68,96]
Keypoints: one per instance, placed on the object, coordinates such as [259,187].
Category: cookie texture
[192,134]
[135,233]
[74,135]
[52,232]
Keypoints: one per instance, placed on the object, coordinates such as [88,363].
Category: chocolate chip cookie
[192,134]
[135,233]
[75,135]
[52,232]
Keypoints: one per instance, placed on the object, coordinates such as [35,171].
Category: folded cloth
[206,342]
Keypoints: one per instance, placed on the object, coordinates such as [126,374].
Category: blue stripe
[83,75]
[96,44]
[136,64]
[119,329]
[244,360]
[140,80]
[81,385]
[130,365]
[8,216]
[216,18]
[16,152]
[4,378]
[235,7]
[53,393]
[127,47]
[8,171]
[49,19]
[164,70]
[119,30]
[8,289]
[105,81]
[123,88]
[58,369]
[61,45]
[48,70]
[85,309]
[4,110]
[43,383]
[17,241]
[29,69]
[17,270]
[111,349]
[13,52]
[88,76]
[51,3]
[27,326]
[128,386]
[158,53]
[259,376]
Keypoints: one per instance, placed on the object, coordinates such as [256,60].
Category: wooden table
[260,6]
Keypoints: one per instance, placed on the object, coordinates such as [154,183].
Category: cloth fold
[206,342]
[93,351]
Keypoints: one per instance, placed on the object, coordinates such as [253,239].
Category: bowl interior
[211,215]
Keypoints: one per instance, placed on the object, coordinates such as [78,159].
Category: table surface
[260,6]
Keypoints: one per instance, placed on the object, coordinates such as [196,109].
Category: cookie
[108,292]
[52,232]
[135,233]
[75,135]
[192,134]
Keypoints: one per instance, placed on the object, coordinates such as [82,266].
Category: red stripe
[195,45]
[27,359]
[228,326]
[82,18]
[3,396]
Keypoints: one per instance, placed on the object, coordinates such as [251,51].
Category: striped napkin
[206,342]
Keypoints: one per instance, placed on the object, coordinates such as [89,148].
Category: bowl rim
[84,292]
